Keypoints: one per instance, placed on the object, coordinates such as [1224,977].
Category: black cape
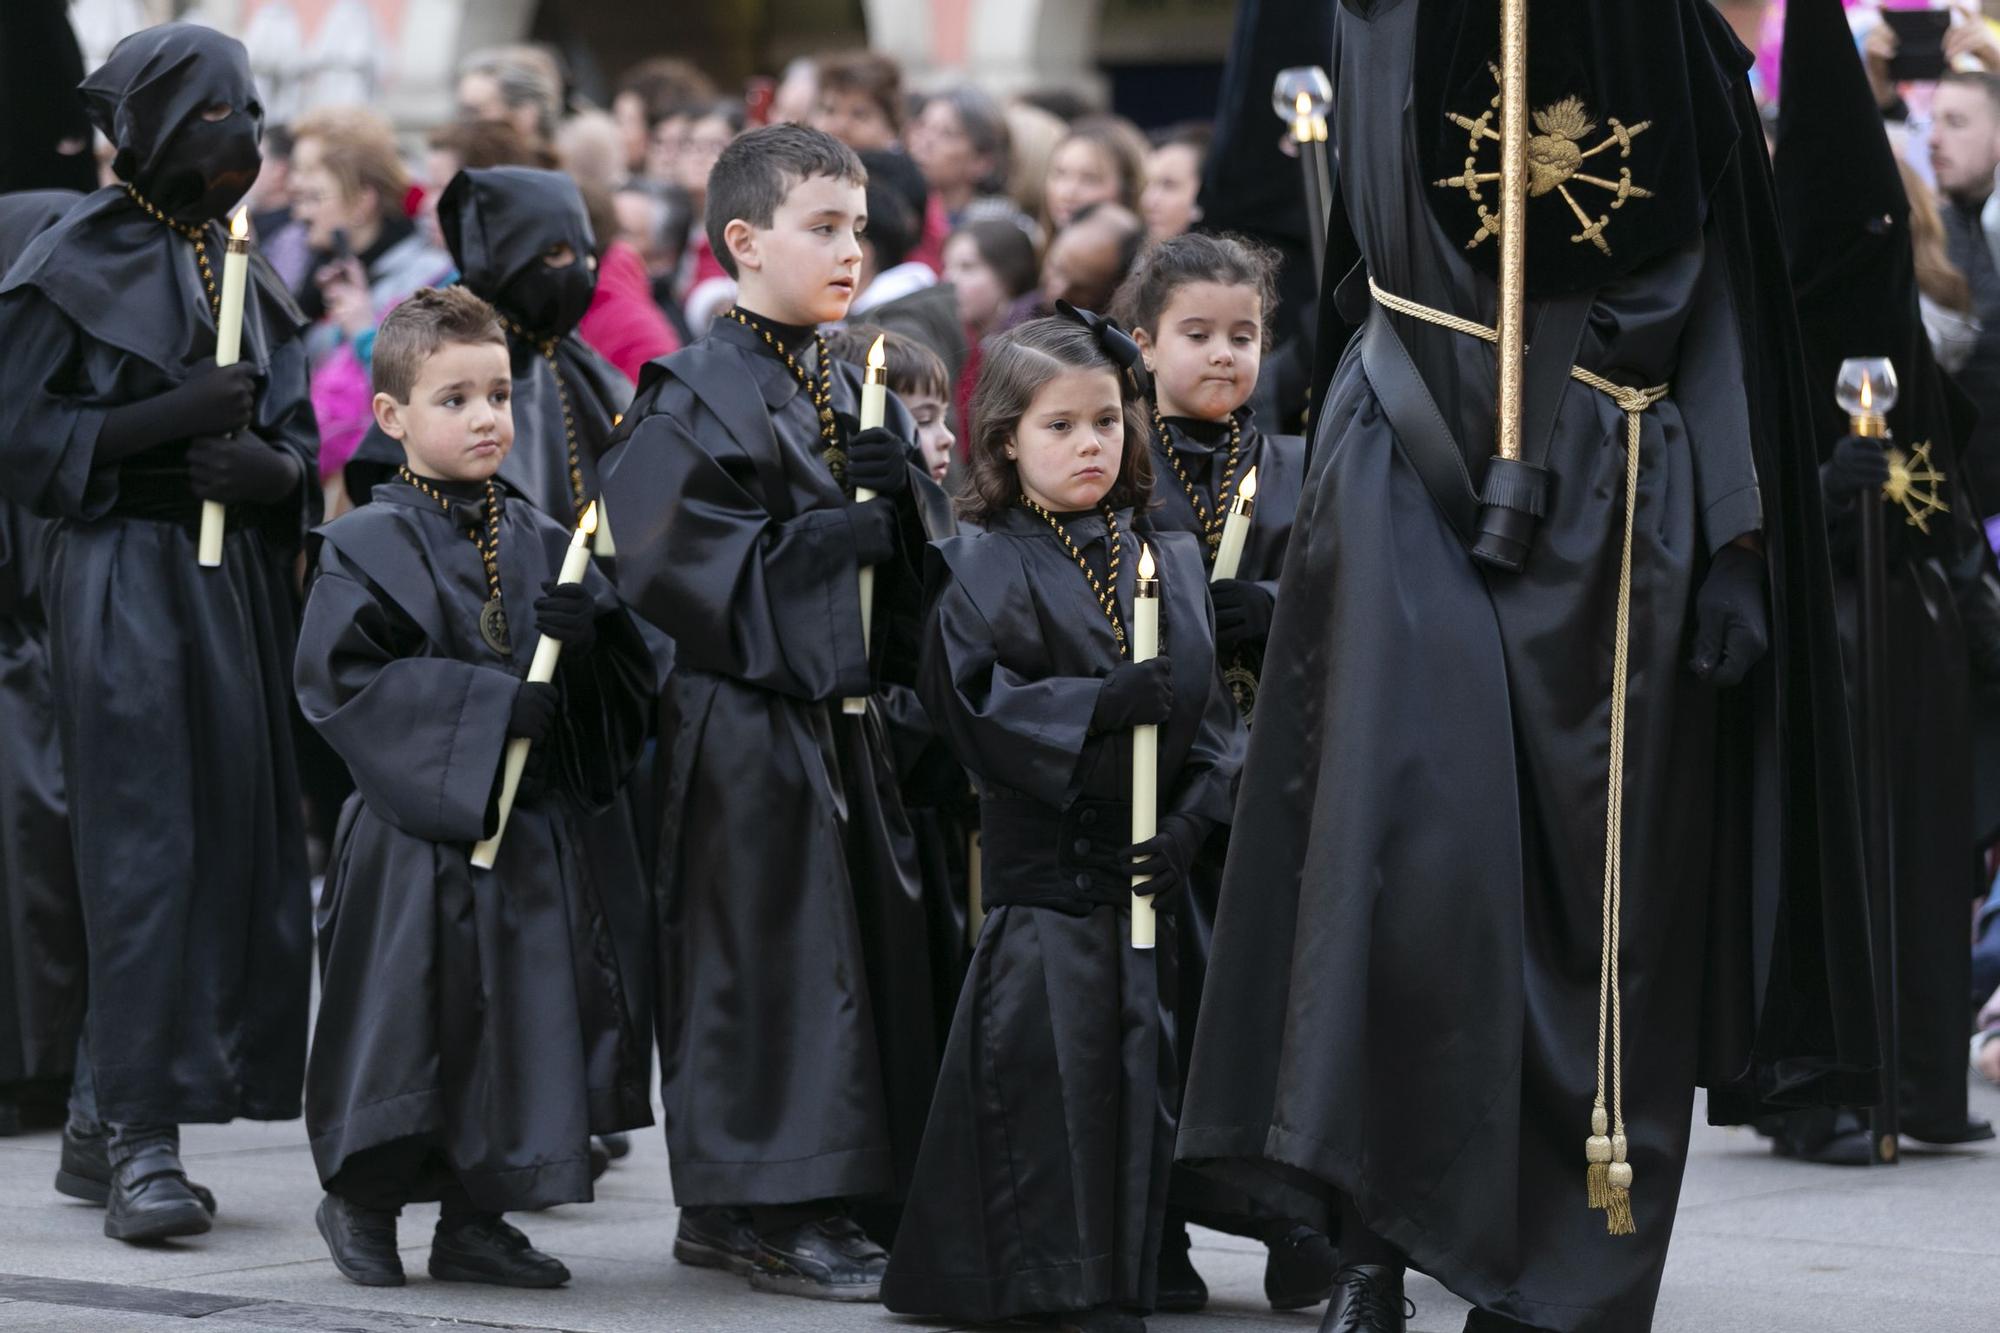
[1042,1184]
[484,1007]
[1846,223]
[1423,838]
[41,920]
[796,1043]
[172,682]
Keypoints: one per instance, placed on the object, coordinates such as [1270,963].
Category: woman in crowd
[1101,160]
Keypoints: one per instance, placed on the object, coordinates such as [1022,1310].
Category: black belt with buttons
[1036,855]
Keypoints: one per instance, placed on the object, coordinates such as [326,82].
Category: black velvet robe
[796,1043]
[484,1007]
[1042,1182]
[171,682]
[1403,995]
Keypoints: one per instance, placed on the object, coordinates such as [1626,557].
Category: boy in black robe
[797,1048]
[473,1033]
[170,680]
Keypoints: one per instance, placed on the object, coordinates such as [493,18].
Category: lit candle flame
[589,523]
[1867,393]
[878,357]
[1248,490]
[1146,566]
[1304,104]
[239,226]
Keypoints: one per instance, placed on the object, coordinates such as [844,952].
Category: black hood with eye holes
[147,99]
[499,222]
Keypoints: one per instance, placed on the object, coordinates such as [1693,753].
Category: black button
[1083,883]
[1081,847]
[1087,818]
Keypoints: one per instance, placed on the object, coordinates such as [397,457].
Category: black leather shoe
[1181,1290]
[1837,1138]
[362,1242]
[1298,1269]
[1368,1298]
[717,1238]
[481,1247]
[616,1146]
[85,1172]
[828,1260]
[150,1199]
[1970,1130]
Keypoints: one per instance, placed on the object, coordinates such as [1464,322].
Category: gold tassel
[1618,1208]
[1597,1151]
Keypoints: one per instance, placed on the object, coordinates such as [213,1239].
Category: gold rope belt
[1608,1175]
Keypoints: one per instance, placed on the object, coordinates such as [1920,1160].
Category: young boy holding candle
[1041,1187]
[473,1032]
[1199,308]
[797,1048]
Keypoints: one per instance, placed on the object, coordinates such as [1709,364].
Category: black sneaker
[717,1238]
[482,1247]
[85,1171]
[1181,1290]
[828,1260]
[150,1199]
[1298,1269]
[362,1242]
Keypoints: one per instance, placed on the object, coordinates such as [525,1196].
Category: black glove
[880,461]
[567,613]
[1732,618]
[1856,465]
[874,526]
[241,469]
[534,712]
[1135,694]
[1242,611]
[211,401]
[1168,856]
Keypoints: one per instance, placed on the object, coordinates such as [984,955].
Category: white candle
[1145,745]
[541,671]
[228,349]
[874,410]
[1236,529]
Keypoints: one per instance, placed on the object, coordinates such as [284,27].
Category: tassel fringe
[1597,1181]
[1618,1217]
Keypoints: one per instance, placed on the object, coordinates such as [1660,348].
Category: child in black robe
[1199,306]
[796,1044]
[1042,1183]
[472,1033]
[171,681]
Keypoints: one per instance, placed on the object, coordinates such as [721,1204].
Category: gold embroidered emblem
[1555,163]
[1914,483]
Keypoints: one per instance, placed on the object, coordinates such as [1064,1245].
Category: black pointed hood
[499,222]
[147,99]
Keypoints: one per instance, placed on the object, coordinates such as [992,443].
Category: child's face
[1070,442]
[459,422]
[1080,174]
[802,269]
[981,298]
[856,119]
[934,437]
[1206,351]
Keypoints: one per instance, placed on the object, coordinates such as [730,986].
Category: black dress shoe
[482,1247]
[828,1260]
[717,1238]
[1368,1298]
[1837,1138]
[85,1172]
[1971,1130]
[616,1146]
[150,1199]
[362,1242]
[1181,1290]
[1298,1269]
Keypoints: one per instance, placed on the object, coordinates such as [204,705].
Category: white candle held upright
[874,410]
[1145,745]
[228,349]
[541,671]
[1236,529]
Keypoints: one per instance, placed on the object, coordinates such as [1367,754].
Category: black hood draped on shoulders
[498,223]
[28,214]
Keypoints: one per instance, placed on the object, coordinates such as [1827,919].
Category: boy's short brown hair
[412,333]
[915,371]
[752,177]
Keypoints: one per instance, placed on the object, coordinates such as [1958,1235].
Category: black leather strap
[1545,368]
[1421,430]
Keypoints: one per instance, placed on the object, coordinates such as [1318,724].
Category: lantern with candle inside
[1866,392]
[542,670]
[228,350]
[1301,96]
[1236,530]
[1145,744]
[874,409]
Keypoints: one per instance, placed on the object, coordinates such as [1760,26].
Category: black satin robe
[171,682]
[484,1007]
[1403,993]
[797,1048]
[1042,1182]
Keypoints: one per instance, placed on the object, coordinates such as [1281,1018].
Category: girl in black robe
[1041,1185]
[171,681]
[1408,997]
[1199,307]
[473,1033]
[41,920]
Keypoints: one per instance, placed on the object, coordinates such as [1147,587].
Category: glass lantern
[1866,391]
